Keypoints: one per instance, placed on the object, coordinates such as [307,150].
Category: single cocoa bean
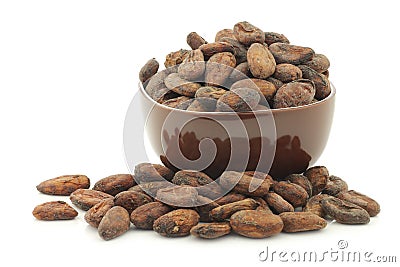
[192,68]
[218,68]
[247,33]
[293,94]
[243,182]
[292,54]
[114,223]
[238,100]
[211,230]
[273,37]
[54,210]
[365,202]
[224,212]
[114,184]
[178,196]
[194,40]
[256,224]
[318,177]
[287,72]
[144,216]
[335,185]
[176,223]
[148,70]
[293,193]
[147,172]
[261,62]
[277,203]
[319,63]
[301,222]
[176,58]
[87,198]
[96,213]
[322,85]
[345,212]
[63,185]
[130,200]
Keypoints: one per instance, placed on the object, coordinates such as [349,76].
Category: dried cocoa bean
[345,212]
[224,33]
[210,92]
[334,186]
[260,175]
[178,196]
[96,213]
[63,185]
[156,84]
[114,184]
[241,71]
[130,200]
[205,205]
[293,94]
[147,172]
[247,33]
[182,102]
[278,84]
[267,89]
[144,216]
[314,205]
[114,223]
[224,212]
[87,198]
[176,58]
[277,203]
[293,193]
[211,49]
[150,188]
[363,201]
[319,63]
[322,85]
[242,183]
[301,222]
[261,62]
[202,104]
[211,230]
[238,100]
[287,72]
[54,210]
[318,177]
[256,224]
[193,66]
[301,180]
[262,205]
[181,86]
[198,179]
[273,37]
[239,50]
[148,70]
[229,198]
[163,95]
[194,40]
[176,223]
[292,54]
[219,67]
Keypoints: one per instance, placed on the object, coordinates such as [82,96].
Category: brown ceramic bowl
[294,141]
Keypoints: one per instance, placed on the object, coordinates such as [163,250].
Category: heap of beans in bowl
[243,69]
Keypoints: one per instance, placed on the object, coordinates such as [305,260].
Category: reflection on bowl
[296,137]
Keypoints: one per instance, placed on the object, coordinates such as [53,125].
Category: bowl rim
[258,112]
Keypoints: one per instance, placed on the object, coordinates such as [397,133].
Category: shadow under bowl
[277,141]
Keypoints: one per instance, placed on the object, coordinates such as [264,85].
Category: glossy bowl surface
[287,141]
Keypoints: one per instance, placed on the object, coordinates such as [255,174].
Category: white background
[68,71]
